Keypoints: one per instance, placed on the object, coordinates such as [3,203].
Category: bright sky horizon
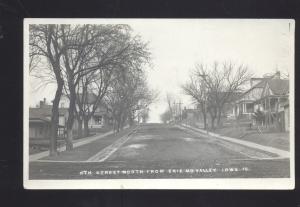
[177,45]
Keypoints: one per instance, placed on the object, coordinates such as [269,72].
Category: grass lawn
[84,152]
[278,140]
[40,145]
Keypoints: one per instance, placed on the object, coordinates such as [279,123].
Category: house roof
[90,98]
[232,96]
[191,110]
[36,116]
[235,96]
[44,112]
[261,84]
[279,86]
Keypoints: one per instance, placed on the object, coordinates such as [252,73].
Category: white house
[98,120]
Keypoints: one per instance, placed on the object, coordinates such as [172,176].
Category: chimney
[43,103]
[277,75]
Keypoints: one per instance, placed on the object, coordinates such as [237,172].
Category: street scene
[159,99]
[163,151]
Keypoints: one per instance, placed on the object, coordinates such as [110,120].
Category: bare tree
[84,58]
[196,89]
[94,85]
[45,43]
[128,97]
[124,54]
[220,83]
[95,49]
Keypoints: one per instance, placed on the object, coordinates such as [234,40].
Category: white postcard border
[195,183]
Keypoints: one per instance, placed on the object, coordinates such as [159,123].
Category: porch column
[265,109]
[269,110]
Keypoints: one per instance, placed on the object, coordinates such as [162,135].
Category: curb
[79,143]
[105,153]
[279,152]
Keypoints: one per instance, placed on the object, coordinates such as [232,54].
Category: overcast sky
[176,45]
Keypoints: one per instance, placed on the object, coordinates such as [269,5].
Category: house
[40,120]
[99,118]
[286,107]
[245,105]
[39,126]
[192,117]
[191,114]
[269,95]
[229,110]
[274,102]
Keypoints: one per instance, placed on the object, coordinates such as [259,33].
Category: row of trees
[106,60]
[173,111]
[212,87]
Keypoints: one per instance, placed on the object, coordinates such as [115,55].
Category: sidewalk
[76,144]
[280,140]
[279,152]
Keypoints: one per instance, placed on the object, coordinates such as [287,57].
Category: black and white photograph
[158,104]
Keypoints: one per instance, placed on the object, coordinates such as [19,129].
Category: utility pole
[174,111]
[180,114]
[203,86]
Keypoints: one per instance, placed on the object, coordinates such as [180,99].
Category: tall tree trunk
[213,123]
[213,118]
[204,120]
[123,120]
[79,130]
[114,126]
[86,127]
[219,117]
[118,123]
[130,118]
[55,119]
[204,115]
[70,121]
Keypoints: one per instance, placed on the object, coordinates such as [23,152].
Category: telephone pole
[180,114]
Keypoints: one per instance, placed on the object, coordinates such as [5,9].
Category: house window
[98,120]
[249,107]
[62,105]
[41,130]
[61,120]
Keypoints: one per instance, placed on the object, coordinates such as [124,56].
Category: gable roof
[36,115]
[279,86]
[42,113]
[90,98]
[261,84]
[232,96]
[190,110]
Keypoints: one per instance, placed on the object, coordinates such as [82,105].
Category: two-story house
[98,119]
[273,100]
[40,120]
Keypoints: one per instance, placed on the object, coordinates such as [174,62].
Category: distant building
[274,97]
[269,95]
[244,105]
[99,118]
[286,107]
[40,121]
